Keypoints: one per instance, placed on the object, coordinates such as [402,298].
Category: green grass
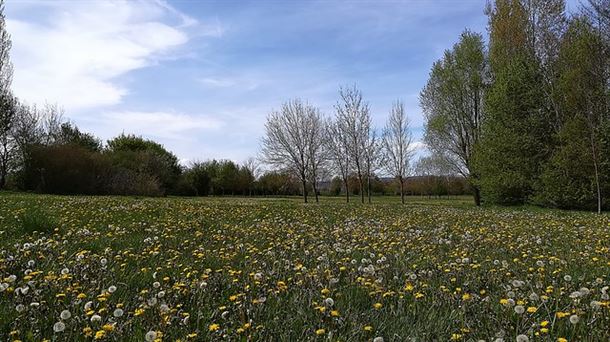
[224,261]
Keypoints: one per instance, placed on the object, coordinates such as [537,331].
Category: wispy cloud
[76,59]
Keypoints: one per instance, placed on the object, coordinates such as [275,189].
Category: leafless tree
[289,142]
[8,102]
[373,158]
[397,149]
[316,151]
[353,117]
[338,152]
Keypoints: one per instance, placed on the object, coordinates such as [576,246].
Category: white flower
[164,308]
[65,270]
[519,309]
[329,301]
[65,315]
[150,336]
[20,307]
[59,327]
[575,294]
[522,338]
[161,294]
[378,339]
[574,319]
[111,289]
[567,277]
[118,313]
[103,261]
[96,318]
[156,284]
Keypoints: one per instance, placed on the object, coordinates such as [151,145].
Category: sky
[200,77]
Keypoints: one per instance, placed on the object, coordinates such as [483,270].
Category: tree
[288,142]
[336,141]
[70,134]
[452,102]
[353,118]
[515,139]
[573,178]
[396,143]
[7,101]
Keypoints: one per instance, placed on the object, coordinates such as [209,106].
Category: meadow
[167,269]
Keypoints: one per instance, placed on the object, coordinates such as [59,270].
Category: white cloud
[75,57]
[167,125]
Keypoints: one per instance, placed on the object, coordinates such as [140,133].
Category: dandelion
[532,309]
[213,327]
[378,339]
[118,313]
[574,319]
[320,332]
[65,315]
[329,301]
[96,318]
[150,336]
[377,306]
[519,309]
[522,338]
[59,327]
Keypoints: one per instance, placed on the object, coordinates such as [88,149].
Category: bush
[37,220]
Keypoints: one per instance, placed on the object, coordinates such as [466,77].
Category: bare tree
[338,152]
[289,143]
[316,151]
[373,158]
[396,142]
[353,117]
[7,100]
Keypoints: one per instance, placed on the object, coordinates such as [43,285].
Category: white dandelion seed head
[519,309]
[574,319]
[150,336]
[522,338]
[96,318]
[111,289]
[59,327]
[156,284]
[329,301]
[65,315]
[567,277]
[118,313]
[378,339]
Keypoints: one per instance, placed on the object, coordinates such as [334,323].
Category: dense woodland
[522,116]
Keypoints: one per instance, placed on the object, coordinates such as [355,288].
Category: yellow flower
[320,332]
[100,334]
[544,330]
[108,327]
[377,306]
[455,337]
[335,313]
[87,331]
[368,328]
[213,327]
[466,296]
[532,309]
[325,291]
[561,339]
[419,295]
[544,323]
[193,335]
[409,287]
[503,301]
[138,312]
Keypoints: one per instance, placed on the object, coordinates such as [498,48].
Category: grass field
[125,269]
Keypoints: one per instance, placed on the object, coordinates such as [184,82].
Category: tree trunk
[402,190]
[315,191]
[304,190]
[361,189]
[346,182]
[368,188]
[477,195]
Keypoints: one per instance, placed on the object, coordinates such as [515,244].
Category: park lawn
[276,269]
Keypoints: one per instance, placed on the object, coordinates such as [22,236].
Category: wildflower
[377,306]
[150,336]
[320,332]
[532,309]
[59,327]
[519,309]
[466,296]
[329,301]
[118,313]
[368,328]
[213,327]
[65,315]
[378,339]
[111,289]
[574,319]
[522,338]
[335,313]
[100,334]
[96,318]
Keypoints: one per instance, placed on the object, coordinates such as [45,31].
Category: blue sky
[201,76]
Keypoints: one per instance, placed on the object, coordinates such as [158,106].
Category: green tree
[515,139]
[452,101]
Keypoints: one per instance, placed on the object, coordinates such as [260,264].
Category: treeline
[526,118]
